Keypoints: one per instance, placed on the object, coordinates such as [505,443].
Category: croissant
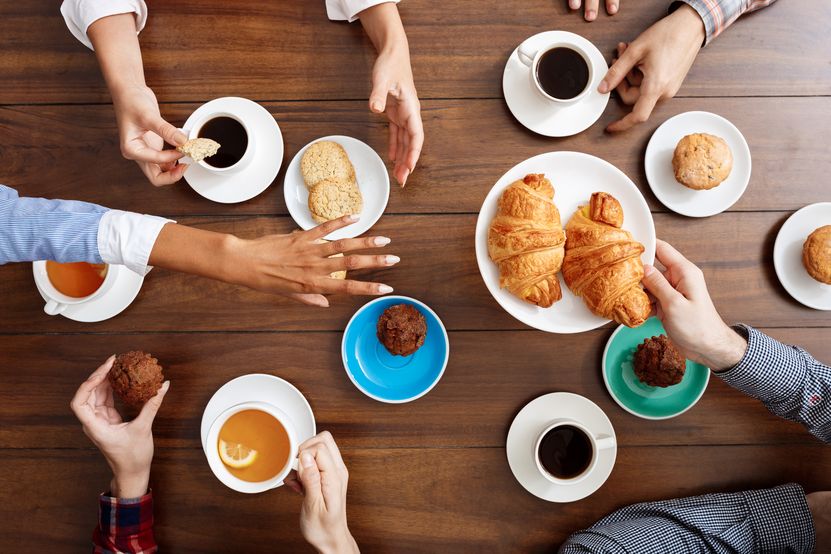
[603,264]
[526,241]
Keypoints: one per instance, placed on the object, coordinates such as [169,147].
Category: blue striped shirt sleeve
[34,229]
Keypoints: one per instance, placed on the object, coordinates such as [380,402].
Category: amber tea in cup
[76,279]
[253,445]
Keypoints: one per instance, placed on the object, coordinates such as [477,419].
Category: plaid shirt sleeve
[790,382]
[769,520]
[720,14]
[125,525]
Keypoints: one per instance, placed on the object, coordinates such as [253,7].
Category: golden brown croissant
[603,264]
[526,241]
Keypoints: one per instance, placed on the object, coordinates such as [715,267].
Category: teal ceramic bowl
[638,398]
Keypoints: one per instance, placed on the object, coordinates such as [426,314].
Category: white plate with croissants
[561,241]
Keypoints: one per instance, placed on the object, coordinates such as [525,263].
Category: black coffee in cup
[565,451]
[232,139]
[563,73]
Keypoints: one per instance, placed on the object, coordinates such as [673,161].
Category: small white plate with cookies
[697,164]
[802,255]
[334,176]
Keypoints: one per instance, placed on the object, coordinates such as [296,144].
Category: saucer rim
[777,248]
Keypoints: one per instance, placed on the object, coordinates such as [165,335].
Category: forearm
[118,52]
[195,251]
[720,14]
[384,28]
[130,485]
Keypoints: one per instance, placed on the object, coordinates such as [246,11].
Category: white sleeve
[80,14]
[348,10]
[126,238]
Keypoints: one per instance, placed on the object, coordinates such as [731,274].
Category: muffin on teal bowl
[637,397]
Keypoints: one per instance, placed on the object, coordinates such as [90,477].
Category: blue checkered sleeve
[768,520]
[790,382]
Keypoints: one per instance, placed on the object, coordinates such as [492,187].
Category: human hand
[654,66]
[143,132]
[820,505]
[590,13]
[322,478]
[684,306]
[127,447]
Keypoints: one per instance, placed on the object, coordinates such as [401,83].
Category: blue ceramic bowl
[383,376]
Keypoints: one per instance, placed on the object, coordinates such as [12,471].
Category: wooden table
[430,476]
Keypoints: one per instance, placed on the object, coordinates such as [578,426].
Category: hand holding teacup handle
[54,308]
[526,55]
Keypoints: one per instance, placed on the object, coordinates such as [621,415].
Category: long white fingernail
[352,218]
[392,260]
[382,241]
[384,289]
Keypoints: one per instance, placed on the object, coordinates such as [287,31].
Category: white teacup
[56,301]
[246,158]
[226,477]
[531,58]
[598,443]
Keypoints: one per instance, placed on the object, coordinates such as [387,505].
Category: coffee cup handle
[604,442]
[526,56]
[54,308]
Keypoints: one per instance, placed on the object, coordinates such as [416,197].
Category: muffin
[702,161]
[402,329]
[136,377]
[816,254]
[658,363]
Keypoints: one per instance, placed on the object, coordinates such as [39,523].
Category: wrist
[691,22]
[231,261]
[725,350]
[341,543]
[130,485]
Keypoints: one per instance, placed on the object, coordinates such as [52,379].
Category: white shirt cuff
[80,14]
[348,10]
[127,238]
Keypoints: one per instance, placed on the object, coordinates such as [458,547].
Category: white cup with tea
[566,452]
[252,427]
[561,72]
[236,141]
[68,284]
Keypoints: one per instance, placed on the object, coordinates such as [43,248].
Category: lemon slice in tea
[236,455]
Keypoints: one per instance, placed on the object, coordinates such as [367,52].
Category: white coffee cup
[226,477]
[56,301]
[598,443]
[531,58]
[246,158]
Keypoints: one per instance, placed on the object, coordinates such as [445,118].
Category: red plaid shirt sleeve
[720,14]
[125,525]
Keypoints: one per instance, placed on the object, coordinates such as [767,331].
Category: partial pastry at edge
[602,262]
[816,254]
[526,241]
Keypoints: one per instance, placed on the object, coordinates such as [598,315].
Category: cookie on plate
[702,161]
[325,159]
[816,254]
[333,198]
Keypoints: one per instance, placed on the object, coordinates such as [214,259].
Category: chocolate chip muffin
[402,329]
[816,254]
[136,377]
[702,161]
[658,363]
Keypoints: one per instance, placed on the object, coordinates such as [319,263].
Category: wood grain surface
[432,475]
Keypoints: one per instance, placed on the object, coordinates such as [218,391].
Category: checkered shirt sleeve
[790,382]
[720,14]
[768,520]
[125,526]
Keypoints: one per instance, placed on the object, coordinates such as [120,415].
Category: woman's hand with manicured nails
[592,7]
[684,306]
[654,66]
[127,447]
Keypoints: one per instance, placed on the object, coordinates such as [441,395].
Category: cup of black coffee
[236,142]
[566,452]
[561,72]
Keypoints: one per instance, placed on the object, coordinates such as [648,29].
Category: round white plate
[247,182]
[259,387]
[532,420]
[372,177]
[575,177]
[543,116]
[661,177]
[787,256]
[110,304]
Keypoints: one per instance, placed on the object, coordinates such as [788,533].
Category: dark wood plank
[291,51]
[400,500]
[441,270]
[72,152]
[482,390]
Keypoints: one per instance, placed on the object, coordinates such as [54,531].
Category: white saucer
[532,420]
[787,256]
[661,177]
[543,116]
[259,387]
[372,177]
[575,177]
[248,182]
[110,304]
